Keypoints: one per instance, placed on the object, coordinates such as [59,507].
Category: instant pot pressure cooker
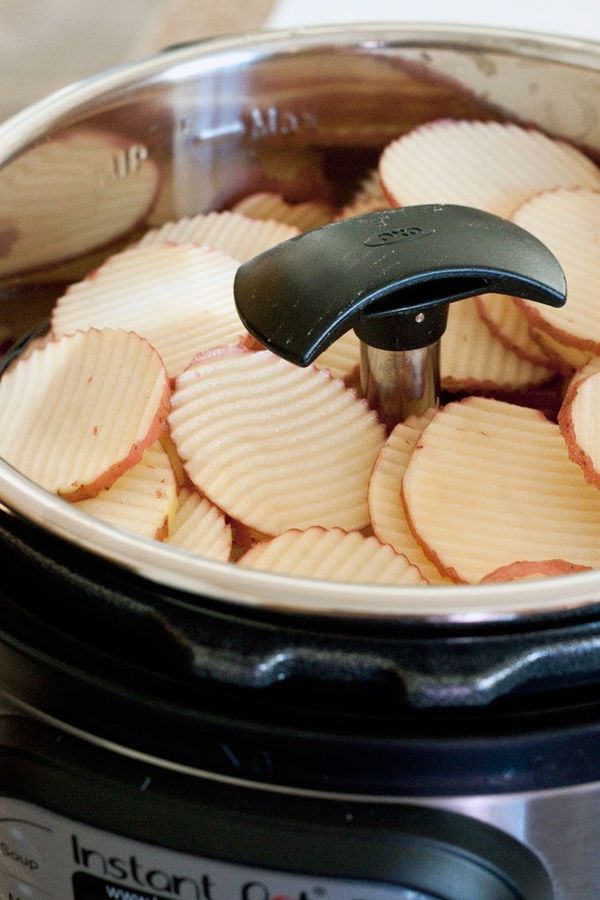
[173,727]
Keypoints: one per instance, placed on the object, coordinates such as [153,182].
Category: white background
[570,17]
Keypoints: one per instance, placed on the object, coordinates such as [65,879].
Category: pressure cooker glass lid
[113,192]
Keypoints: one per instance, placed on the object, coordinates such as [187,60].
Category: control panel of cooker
[43,855]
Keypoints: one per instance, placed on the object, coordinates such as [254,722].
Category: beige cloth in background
[186,20]
[47,45]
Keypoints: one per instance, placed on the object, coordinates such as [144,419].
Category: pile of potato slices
[150,407]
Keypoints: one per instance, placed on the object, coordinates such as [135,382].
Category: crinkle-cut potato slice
[143,500]
[200,527]
[562,358]
[272,445]
[231,232]
[80,411]
[370,188]
[362,207]
[332,554]
[510,326]
[70,195]
[488,165]
[590,368]
[179,297]
[385,497]
[170,449]
[579,423]
[524,570]
[342,358]
[305,216]
[369,197]
[568,222]
[472,359]
[490,483]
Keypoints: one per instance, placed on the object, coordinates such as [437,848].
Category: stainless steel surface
[559,825]
[216,119]
[400,383]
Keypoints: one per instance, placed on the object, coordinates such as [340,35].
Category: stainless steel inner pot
[202,124]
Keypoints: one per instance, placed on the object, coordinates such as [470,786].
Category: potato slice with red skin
[370,188]
[472,359]
[80,411]
[590,368]
[369,197]
[305,216]
[71,195]
[488,165]
[489,483]
[200,527]
[178,297]
[170,449]
[568,222]
[525,570]
[332,554]
[341,359]
[230,232]
[143,500]
[564,359]
[510,326]
[272,445]
[385,497]
[362,207]
[580,425]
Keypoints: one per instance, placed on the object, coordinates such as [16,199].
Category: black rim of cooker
[261,698]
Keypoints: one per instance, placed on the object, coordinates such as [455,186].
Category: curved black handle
[389,275]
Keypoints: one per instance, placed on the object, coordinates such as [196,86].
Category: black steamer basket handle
[390,276]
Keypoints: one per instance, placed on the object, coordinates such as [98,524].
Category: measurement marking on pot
[128,162]
[267,121]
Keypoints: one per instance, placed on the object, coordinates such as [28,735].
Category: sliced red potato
[564,359]
[200,527]
[342,358]
[80,411]
[590,368]
[472,359]
[547,398]
[568,222]
[488,165]
[231,232]
[243,238]
[524,570]
[143,500]
[266,206]
[275,446]
[362,207]
[332,554]
[368,198]
[580,425]
[385,498]
[70,195]
[490,483]
[510,326]
[178,297]
[170,449]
